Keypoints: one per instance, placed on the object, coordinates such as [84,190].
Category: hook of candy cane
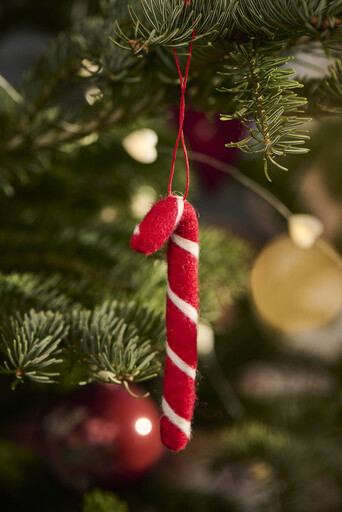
[173,219]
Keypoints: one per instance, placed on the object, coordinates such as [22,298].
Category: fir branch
[149,324]
[74,61]
[30,344]
[220,288]
[286,19]
[43,122]
[328,93]
[170,24]
[101,501]
[114,344]
[25,291]
[160,22]
[266,105]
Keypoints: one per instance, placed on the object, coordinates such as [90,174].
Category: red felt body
[151,235]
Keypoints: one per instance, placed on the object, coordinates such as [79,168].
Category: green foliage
[261,87]
[223,271]
[71,66]
[329,91]
[31,345]
[101,501]
[120,340]
[40,121]
[59,255]
[75,298]
[59,259]
[24,291]
[266,105]
[169,24]
[160,22]
[114,339]
[286,19]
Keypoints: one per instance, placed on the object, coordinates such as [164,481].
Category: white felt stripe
[185,308]
[182,365]
[187,245]
[181,423]
[180,206]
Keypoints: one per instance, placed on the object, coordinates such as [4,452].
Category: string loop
[180,136]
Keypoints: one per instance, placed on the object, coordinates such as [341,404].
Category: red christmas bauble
[100,434]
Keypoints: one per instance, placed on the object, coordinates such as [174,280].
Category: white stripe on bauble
[185,308]
[180,206]
[182,365]
[178,421]
[187,245]
[136,230]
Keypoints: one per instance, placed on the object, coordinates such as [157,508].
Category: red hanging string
[180,136]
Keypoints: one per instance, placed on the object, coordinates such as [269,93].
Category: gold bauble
[298,292]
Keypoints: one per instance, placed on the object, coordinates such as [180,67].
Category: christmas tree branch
[43,122]
[102,501]
[266,105]
[31,345]
[26,291]
[161,22]
[329,90]
[170,24]
[121,340]
[114,340]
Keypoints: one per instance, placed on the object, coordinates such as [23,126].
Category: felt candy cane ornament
[173,219]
